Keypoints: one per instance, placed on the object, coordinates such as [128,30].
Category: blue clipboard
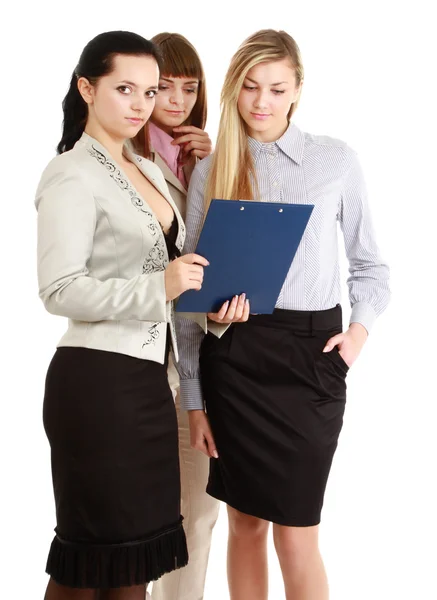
[250,247]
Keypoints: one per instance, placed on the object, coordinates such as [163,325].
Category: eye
[163,87]
[151,93]
[191,90]
[278,92]
[124,89]
[249,88]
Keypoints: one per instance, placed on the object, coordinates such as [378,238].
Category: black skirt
[111,423]
[275,402]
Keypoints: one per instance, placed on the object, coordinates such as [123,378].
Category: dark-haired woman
[109,241]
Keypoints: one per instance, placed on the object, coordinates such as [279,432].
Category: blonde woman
[175,140]
[274,388]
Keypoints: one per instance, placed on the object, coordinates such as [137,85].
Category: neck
[271,135]
[112,144]
[166,128]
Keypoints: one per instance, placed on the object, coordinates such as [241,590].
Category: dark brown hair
[97,60]
[179,58]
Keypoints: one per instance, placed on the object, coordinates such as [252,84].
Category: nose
[139,103]
[261,99]
[177,97]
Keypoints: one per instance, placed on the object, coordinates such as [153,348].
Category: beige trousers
[200,513]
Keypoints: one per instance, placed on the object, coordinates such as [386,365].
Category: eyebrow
[278,83]
[125,82]
[196,81]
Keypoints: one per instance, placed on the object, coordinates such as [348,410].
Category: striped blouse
[304,169]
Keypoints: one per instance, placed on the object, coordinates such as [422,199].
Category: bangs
[178,57]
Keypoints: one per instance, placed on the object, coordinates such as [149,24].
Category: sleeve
[66,225]
[191,327]
[368,279]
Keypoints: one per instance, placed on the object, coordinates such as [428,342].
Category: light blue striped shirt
[303,169]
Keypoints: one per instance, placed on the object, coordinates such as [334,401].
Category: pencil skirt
[275,403]
[111,423]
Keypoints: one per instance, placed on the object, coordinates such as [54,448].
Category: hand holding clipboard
[250,247]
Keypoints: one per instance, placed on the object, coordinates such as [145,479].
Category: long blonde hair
[232,166]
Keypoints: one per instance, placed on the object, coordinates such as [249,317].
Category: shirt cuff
[217,329]
[364,314]
[191,394]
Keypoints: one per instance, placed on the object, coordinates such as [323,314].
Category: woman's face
[265,99]
[122,101]
[175,101]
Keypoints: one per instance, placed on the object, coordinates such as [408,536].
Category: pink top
[161,143]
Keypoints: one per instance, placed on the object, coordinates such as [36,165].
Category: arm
[191,328]
[368,280]
[369,291]
[66,226]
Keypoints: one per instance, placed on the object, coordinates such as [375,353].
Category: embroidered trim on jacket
[156,259]
[153,334]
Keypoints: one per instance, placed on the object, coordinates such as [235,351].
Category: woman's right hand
[200,433]
[184,273]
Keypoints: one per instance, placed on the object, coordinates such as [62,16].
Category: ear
[86,90]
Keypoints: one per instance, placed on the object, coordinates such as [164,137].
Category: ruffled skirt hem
[99,566]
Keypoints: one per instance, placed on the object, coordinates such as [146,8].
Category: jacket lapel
[144,165]
[96,150]
[170,177]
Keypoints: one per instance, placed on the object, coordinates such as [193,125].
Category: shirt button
[275,184]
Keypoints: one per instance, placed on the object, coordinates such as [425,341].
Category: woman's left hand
[349,343]
[235,311]
[193,141]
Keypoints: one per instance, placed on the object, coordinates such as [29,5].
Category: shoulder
[329,150]
[202,168]
[324,143]
[63,170]
[62,165]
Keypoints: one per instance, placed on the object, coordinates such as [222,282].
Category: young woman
[175,141]
[274,387]
[109,236]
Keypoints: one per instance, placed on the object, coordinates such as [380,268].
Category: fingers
[246,311]
[224,309]
[196,275]
[239,309]
[194,258]
[204,442]
[211,447]
[231,310]
[200,444]
[201,138]
[334,341]
[189,129]
[201,153]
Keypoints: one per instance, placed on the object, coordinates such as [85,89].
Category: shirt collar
[161,142]
[291,143]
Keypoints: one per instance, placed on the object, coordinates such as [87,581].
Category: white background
[370,72]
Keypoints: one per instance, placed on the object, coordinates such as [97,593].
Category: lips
[260,116]
[135,120]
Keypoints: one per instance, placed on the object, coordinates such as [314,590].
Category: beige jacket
[102,253]
[175,187]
